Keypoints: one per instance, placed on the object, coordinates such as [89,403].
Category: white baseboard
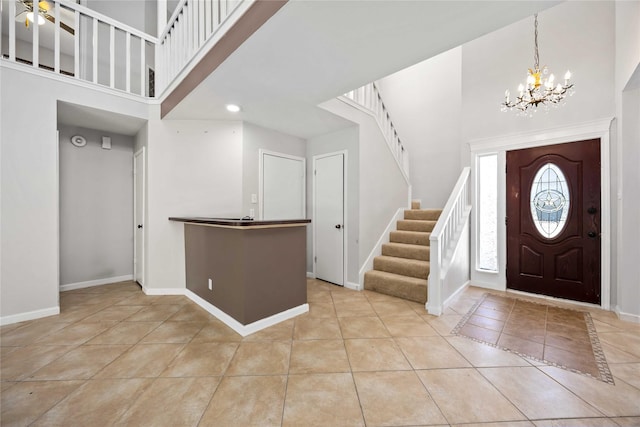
[251,328]
[627,317]
[354,286]
[437,310]
[487,285]
[97,282]
[29,315]
[458,291]
[377,249]
[164,291]
[311,275]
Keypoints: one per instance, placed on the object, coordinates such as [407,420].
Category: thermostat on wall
[78,140]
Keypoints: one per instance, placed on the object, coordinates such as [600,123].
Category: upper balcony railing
[368,98]
[190,29]
[76,41]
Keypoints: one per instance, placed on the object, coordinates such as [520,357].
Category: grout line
[572,392]
[291,340]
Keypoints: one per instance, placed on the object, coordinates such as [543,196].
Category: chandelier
[540,88]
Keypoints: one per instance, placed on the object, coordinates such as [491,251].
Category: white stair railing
[191,26]
[86,45]
[445,238]
[368,99]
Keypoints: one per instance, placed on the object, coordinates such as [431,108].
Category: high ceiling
[312,51]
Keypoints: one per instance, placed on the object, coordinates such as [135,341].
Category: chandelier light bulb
[40,18]
[567,76]
[531,80]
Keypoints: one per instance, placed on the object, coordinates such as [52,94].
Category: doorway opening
[96,197]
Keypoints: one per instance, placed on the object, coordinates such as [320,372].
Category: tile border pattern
[601,361]
[598,353]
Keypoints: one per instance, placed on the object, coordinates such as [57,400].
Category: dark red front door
[553,220]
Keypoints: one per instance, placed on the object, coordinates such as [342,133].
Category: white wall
[627,301]
[28,185]
[424,102]
[346,139]
[256,138]
[194,169]
[383,188]
[96,206]
[139,14]
[626,296]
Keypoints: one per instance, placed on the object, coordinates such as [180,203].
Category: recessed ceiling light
[233,108]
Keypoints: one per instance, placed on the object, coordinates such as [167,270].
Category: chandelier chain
[536,56]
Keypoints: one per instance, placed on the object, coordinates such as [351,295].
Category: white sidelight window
[487,188]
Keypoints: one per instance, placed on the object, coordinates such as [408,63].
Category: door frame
[499,145]
[345,219]
[261,153]
[136,263]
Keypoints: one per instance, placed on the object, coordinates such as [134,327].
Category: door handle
[591,234]
[139,225]
[592,210]
[338,226]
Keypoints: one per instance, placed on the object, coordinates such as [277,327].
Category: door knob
[592,210]
[338,226]
[591,234]
[139,225]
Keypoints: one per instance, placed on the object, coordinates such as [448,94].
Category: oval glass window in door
[549,200]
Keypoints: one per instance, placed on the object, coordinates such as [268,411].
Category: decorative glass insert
[549,200]
[487,257]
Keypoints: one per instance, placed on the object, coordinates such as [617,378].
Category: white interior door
[283,186]
[139,211]
[329,218]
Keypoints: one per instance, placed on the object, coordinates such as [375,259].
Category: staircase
[403,268]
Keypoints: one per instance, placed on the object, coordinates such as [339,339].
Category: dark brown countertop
[240,223]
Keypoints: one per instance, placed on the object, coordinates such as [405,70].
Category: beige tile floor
[117,357]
